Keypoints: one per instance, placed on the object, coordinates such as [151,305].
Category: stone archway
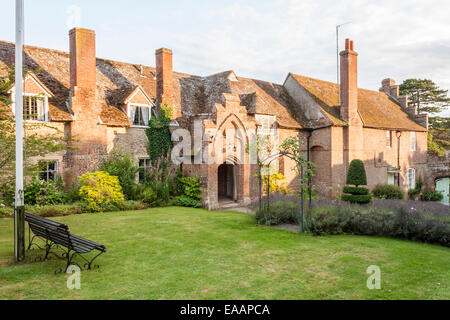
[227,182]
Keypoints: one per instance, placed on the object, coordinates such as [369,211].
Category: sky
[259,39]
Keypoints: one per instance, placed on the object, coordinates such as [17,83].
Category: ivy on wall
[158,134]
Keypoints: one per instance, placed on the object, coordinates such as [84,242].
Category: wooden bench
[57,235]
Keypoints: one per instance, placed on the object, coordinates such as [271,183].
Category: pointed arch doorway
[227,182]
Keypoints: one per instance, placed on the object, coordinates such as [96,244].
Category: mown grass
[182,253]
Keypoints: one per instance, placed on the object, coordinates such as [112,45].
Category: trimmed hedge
[356,190]
[357,173]
[357,177]
[358,198]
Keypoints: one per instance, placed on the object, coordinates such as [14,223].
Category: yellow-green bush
[276,183]
[100,189]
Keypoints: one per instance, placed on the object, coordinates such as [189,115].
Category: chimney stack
[353,133]
[389,87]
[91,135]
[164,80]
[349,82]
[82,59]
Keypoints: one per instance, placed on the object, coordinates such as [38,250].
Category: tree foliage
[439,135]
[425,95]
[36,144]
[158,133]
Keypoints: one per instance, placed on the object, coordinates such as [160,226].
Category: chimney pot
[349,82]
[347,44]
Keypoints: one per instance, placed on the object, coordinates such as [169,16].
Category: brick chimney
[82,58]
[389,87]
[349,82]
[87,128]
[164,80]
[353,134]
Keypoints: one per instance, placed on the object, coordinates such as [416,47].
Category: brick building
[107,104]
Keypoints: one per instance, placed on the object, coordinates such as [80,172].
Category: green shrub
[121,166]
[357,173]
[185,201]
[100,189]
[55,210]
[279,212]
[356,190]
[432,195]
[356,176]
[45,193]
[7,193]
[81,207]
[387,191]
[191,187]
[413,194]
[360,199]
[149,196]
[6,211]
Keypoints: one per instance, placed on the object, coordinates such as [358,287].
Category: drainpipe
[308,157]
[399,135]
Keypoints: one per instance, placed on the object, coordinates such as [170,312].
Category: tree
[356,176]
[35,144]
[425,95]
[357,173]
[439,135]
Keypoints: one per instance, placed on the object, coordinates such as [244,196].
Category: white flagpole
[19,219]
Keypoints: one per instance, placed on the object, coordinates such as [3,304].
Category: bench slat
[59,234]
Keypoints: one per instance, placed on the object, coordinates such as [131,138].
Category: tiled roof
[377,109]
[117,80]
[198,95]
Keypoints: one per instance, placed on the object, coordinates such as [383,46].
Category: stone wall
[437,167]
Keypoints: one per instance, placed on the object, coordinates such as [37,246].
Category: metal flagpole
[19,216]
[337,62]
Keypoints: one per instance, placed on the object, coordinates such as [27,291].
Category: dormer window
[139,115]
[34,108]
[139,108]
[35,99]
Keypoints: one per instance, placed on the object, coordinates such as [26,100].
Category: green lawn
[181,253]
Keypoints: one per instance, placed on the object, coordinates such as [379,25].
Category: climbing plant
[158,134]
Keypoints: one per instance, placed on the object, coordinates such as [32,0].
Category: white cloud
[396,39]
